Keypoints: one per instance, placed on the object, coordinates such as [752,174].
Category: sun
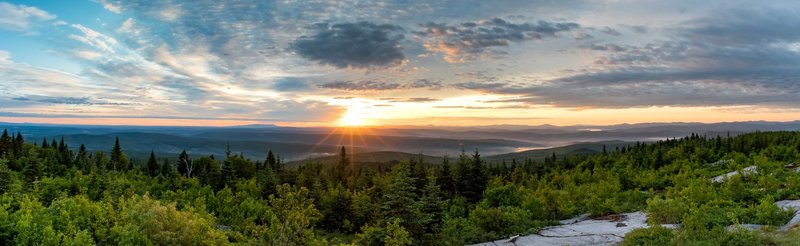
[354,116]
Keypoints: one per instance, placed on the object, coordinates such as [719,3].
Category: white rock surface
[581,232]
[745,171]
[790,204]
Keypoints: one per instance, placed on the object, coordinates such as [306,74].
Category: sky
[398,62]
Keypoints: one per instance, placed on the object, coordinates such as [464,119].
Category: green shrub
[655,236]
[666,211]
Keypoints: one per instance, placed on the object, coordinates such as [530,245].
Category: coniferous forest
[55,194]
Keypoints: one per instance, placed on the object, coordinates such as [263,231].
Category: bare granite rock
[745,171]
[582,231]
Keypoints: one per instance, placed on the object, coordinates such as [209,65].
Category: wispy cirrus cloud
[21,17]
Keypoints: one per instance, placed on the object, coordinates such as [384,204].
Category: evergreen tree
[461,174]
[185,166]
[5,177]
[340,172]
[271,162]
[474,178]
[398,199]
[118,159]
[82,159]
[18,143]
[228,174]
[432,207]
[444,178]
[32,171]
[5,143]
[44,143]
[65,155]
[267,181]
[167,171]
[419,175]
[152,165]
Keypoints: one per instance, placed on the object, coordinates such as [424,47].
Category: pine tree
[65,156]
[18,143]
[342,167]
[267,181]
[5,143]
[117,156]
[44,143]
[432,207]
[398,199]
[167,170]
[61,145]
[185,166]
[228,174]
[270,162]
[444,178]
[419,175]
[152,165]
[474,179]
[82,159]
[32,171]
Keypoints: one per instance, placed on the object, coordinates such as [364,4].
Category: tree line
[56,195]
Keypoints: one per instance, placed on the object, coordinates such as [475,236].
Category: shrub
[655,236]
[666,211]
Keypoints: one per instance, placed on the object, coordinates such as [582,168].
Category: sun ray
[314,148]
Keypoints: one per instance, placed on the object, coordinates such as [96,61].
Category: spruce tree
[5,143]
[185,166]
[432,207]
[152,165]
[272,162]
[444,178]
[167,170]
[82,159]
[65,156]
[116,156]
[32,171]
[44,143]
[342,166]
[18,143]
[267,181]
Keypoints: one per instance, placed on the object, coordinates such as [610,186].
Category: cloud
[424,83]
[4,56]
[352,45]
[363,85]
[471,40]
[638,29]
[113,6]
[739,57]
[717,60]
[411,99]
[610,31]
[479,85]
[21,17]
[605,47]
[66,100]
[93,38]
[376,85]
[291,84]
[303,110]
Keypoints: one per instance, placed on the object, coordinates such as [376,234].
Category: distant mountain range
[380,144]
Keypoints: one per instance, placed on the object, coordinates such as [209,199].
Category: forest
[54,194]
